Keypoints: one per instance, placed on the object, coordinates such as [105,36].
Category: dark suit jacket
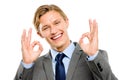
[79,68]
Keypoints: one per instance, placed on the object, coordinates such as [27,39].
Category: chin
[58,45]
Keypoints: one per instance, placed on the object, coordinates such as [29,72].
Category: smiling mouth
[56,37]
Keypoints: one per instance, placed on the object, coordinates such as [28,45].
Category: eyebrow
[41,26]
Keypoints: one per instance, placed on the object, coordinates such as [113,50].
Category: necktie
[60,70]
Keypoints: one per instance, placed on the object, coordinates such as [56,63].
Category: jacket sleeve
[23,73]
[100,67]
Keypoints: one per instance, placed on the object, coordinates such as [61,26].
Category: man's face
[54,29]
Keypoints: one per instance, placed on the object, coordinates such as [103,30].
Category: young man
[80,61]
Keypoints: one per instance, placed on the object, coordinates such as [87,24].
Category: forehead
[50,17]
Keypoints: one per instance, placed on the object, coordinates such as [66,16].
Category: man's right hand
[28,52]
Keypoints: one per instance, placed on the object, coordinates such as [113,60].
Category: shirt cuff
[90,58]
[27,66]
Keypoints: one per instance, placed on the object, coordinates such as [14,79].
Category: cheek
[65,26]
[42,35]
[48,40]
[46,35]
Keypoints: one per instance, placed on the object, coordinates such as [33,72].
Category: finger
[23,38]
[93,29]
[37,43]
[95,24]
[94,34]
[29,36]
[91,25]
[87,34]
[84,36]
[81,40]
[40,48]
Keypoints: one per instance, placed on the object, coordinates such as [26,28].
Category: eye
[57,22]
[45,28]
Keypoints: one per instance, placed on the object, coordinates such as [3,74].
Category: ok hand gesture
[28,52]
[91,47]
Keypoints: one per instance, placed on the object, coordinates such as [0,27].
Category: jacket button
[99,66]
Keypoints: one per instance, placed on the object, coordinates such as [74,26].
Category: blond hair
[44,9]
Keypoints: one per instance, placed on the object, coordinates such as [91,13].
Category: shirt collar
[68,51]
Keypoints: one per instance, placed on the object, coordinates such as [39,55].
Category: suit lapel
[73,63]
[47,63]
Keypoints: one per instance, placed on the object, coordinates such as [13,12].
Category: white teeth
[57,36]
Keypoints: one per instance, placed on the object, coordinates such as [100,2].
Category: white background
[16,15]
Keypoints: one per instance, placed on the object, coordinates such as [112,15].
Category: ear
[38,33]
[67,22]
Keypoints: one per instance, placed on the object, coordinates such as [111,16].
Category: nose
[53,30]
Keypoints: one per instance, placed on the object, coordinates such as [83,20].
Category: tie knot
[59,57]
